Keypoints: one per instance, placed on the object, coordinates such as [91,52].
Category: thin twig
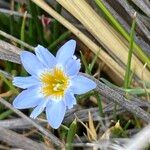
[20,140]
[8,36]
[19,123]
[11,12]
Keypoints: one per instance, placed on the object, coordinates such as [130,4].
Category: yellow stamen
[54,83]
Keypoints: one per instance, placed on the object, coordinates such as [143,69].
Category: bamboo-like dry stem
[103,32]
[94,48]
[98,27]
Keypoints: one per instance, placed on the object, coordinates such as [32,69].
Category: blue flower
[52,83]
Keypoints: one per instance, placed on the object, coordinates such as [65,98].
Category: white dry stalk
[139,142]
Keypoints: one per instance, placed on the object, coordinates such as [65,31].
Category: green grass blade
[38,26]
[112,19]
[87,70]
[128,67]
[99,102]
[137,91]
[110,84]
[93,62]
[9,84]
[22,35]
[71,134]
[60,39]
[5,114]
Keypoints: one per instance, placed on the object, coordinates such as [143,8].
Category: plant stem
[137,49]
[5,114]
[128,71]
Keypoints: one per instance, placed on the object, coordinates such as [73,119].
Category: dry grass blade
[11,12]
[115,11]
[6,94]
[88,129]
[119,71]
[20,141]
[130,11]
[108,111]
[9,52]
[143,6]
[103,32]
[19,123]
[91,127]
[6,75]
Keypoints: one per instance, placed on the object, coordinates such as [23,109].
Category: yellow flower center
[54,83]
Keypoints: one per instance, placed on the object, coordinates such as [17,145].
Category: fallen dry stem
[20,140]
[52,138]
[115,97]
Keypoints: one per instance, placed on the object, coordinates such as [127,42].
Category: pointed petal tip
[33,116]
[72,41]
[45,57]
[82,84]
[38,47]
[93,85]
[23,53]
[15,104]
[57,109]
[55,126]
[66,52]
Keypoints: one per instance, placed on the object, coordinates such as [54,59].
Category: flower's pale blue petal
[66,52]
[25,82]
[70,100]
[31,63]
[45,56]
[55,113]
[72,67]
[81,85]
[39,109]
[27,99]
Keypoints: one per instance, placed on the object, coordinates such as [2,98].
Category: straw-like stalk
[94,48]
[101,31]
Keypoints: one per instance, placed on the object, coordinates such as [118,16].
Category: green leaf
[128,67]
[87,70]
[118,26]
[71,134]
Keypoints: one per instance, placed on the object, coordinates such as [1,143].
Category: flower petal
[66,52]
[31,63]
[45,56]
[72,67]
[39,109]
[27,99]
[70,100]
[81,85]
[55,113]
[25,82]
